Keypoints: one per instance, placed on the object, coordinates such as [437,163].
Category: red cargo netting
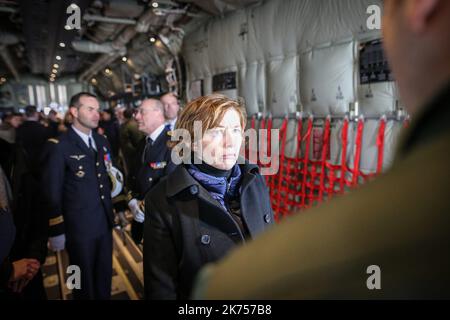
[309,177]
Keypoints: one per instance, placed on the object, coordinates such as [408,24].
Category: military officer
[78,198]
[152,159]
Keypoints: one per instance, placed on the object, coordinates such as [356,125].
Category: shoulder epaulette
[53,140]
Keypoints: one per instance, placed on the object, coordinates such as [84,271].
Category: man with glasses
[77,197]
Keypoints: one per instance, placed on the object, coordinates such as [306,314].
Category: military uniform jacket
[77,186]
[151,163]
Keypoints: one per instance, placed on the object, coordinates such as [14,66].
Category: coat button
[103,197]
[267,218]
[99,175]
[150,179]
[80,167]
[101,186]
[205,239]
[97,164]
[193,190]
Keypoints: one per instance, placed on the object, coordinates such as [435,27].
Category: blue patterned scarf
[217,186]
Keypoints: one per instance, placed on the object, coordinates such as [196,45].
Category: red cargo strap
[283,132]
[344,154]
[359,137]
[269,153]
[380,145]
[325,147]
[306,138]
[298,158]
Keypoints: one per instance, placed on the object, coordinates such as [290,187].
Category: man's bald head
[150,115]
[417,43]
[153,103]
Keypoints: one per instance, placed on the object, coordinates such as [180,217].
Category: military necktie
[147,148]
[92,149]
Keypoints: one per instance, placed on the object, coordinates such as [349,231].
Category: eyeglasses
[142,111]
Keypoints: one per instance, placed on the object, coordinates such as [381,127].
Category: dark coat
[77,187]
[32,135]
[129,139]
[7,234]
[30,220]
[185,228]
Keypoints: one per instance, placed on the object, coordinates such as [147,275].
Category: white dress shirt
[85,137]
[155,134]
[171,123]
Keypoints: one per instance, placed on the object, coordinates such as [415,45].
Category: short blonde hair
[209,110]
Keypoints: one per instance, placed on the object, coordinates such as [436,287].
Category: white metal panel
[252,86]
[377,99]
[328,79]
[282,86]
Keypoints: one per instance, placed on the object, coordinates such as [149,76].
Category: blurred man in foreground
[397,228]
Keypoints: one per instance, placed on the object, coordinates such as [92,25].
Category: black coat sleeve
[52,184]
[160,257]
[6,268]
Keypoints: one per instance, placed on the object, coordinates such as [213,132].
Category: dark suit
[152,163]
[7,233]
[30,221]
[32,135]
[185,228]
[78,200]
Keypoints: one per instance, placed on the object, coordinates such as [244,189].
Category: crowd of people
[66,183]
[55,188]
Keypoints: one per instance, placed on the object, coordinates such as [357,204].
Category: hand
[24,269]
[138,215]
[57,243]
